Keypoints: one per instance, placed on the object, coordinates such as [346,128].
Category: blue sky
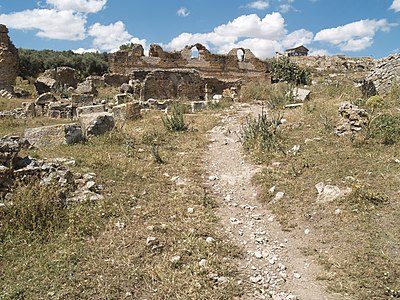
[326,27]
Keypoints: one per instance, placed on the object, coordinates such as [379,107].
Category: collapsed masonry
[385,75]
[8,63]
[184,74]
[71,187]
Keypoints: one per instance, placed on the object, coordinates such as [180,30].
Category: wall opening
[195,53]
[240,55]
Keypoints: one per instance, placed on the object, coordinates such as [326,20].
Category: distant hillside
[34,62]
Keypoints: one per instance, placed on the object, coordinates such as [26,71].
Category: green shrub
[386,128]
[176,121]
[284,70]
[261,134]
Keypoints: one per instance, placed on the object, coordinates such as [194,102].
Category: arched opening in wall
[240,55]
[195,53]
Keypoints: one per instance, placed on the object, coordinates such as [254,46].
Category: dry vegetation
[355,238]
[100,250]
[152,176]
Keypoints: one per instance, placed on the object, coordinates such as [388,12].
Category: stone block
[54,135]
[79,100]
[97,123]
[91,109]
[127,111]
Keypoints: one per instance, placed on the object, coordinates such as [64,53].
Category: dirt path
[272,266]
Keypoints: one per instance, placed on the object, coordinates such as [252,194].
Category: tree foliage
[284,70]
[34,62]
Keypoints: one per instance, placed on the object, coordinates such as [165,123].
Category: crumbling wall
[385,74]
[8,60]
[239,63]
[334,64]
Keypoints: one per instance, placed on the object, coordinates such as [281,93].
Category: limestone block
[126,111]
[85,110]
[54,135]
[97,123]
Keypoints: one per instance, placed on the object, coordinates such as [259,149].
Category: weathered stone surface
[79,100]
[352,119]
[86,87]
[126,88]
[385,74]
[85,110]
[45,98]
[174,84]
[71,187]
[334,64]
[97,124]
[58,78]
[329,193]
[115,79]
[223,67]
[301,94]
[8,60]
[127,111]
[54,135]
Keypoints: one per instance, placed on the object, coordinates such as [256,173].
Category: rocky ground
[271,266]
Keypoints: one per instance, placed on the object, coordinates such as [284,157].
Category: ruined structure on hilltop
[194,66]
[8,60]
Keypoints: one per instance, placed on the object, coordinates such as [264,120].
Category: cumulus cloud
[183,12]
[261,5]
[83,6]
[354,36]
[110,37]
[264,36]
[83,50]
[395,5]
[50,23]
[319,52]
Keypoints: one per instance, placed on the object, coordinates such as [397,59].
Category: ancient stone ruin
[352,119]
[8,63]
[184,74]
[385,74]
[71,187]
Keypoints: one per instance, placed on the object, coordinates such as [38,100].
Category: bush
[261,134]
[33,208]
[176,121]
[34,62]
[284,70]
[386,128]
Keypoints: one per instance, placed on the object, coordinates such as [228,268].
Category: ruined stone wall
[334,64]
[223,67]
[8,60]
[385,74]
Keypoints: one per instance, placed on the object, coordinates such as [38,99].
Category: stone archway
[240,54]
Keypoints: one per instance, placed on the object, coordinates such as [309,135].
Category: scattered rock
[329,193]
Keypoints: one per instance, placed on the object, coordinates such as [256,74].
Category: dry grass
[356,238]
[100,250]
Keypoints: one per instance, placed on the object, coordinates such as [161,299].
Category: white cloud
[52,24]
[84,6]
[395,5]
[83,50]
[319,52]
[354,36]
[298,38]
[261,5]
[183,12]
[110,37]
[272,26]
[264,36]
